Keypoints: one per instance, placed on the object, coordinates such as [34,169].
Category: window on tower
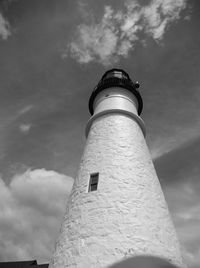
[94,179]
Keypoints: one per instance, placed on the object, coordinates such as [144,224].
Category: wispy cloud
[25,109]
[159,14]
[96,40]
[185,208]
[163,145]
[24,128]
[117,32]
[178,172]
[5,31]
[5,27]
[31,208]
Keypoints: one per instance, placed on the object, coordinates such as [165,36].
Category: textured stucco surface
[127,215]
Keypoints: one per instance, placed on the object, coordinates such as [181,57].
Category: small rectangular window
[94,179]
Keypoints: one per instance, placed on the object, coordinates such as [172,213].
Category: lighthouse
[116,209]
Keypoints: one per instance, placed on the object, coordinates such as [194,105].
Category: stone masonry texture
[127,215]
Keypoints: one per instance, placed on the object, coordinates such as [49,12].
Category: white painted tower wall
[127,215]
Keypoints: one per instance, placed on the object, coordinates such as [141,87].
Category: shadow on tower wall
[143,262]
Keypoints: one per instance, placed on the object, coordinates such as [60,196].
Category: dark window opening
[94,179]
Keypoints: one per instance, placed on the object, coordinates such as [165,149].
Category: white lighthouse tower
[117,208]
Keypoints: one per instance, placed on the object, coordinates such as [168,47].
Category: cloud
[97,40]
[4,28]
[25,110]
[31,208]
[24,128]
[118,31]
[164,145]
[159,14]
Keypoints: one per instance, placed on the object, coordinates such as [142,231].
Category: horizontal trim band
[121,111]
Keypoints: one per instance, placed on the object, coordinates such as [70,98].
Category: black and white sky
[52,54]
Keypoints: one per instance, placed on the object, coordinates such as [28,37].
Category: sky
[52,55]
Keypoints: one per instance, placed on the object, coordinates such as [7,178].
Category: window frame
[93,182]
